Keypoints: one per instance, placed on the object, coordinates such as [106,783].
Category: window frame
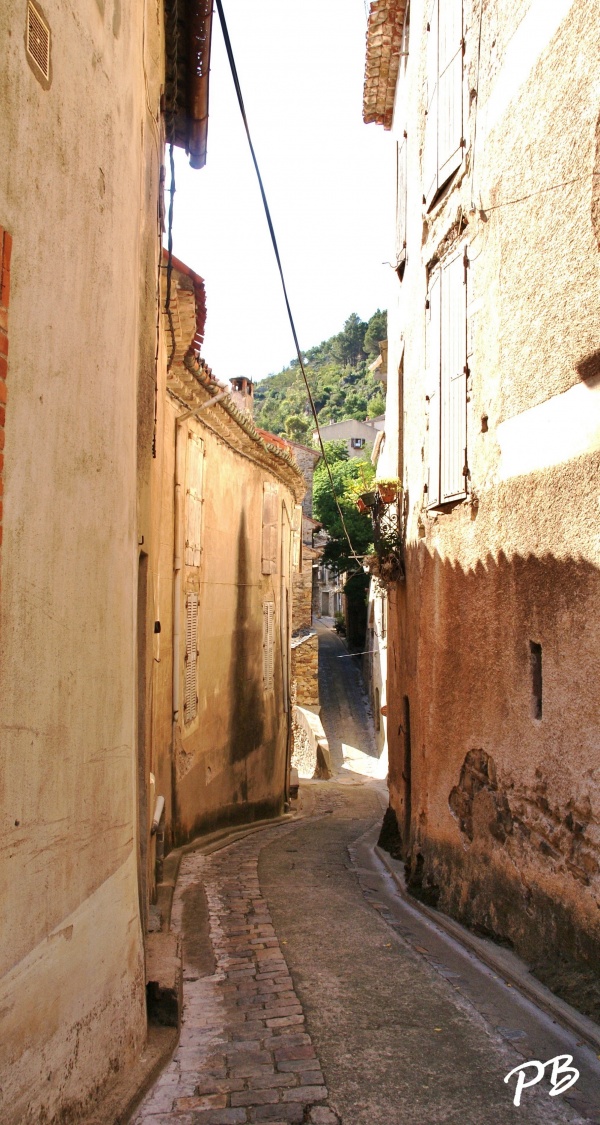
[446,380]
[444,146]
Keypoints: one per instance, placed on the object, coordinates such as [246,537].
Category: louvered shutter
[270,521]
[193,499]
[190,704]
[430,159]
[401,187]
[297,541]
[450,85]
[433,345]
[268,645]
[454,378]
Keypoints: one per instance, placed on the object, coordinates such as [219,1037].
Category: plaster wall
[228,764]
[72,189]
[503,806]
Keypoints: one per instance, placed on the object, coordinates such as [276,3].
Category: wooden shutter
[268,645]
[450,86]
[401,187]
[270,521]
[193,499]
[433,347]
[454,378]
[297,541]
[190,705]
[430,159]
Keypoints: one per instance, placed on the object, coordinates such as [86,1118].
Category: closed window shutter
[297,541]
[401,187]
[430,160]
[454,378]
[268,645]
[190,704]
[450,83]
[433,345]
[193,500]
[270,520]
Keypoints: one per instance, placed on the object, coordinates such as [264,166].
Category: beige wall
[73,184]
[230,762]
[504,805]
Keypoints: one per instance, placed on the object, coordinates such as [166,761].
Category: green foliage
[351,476]
[298,428]
[339,379]
[376,331]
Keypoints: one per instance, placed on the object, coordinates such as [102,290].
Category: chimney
[242,393]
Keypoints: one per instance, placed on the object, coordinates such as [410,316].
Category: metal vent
[38,41]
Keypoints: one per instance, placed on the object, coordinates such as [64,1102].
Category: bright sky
[329,180]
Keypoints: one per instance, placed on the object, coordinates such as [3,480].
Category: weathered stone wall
[494,776]
[305,670]
[302,588]
[307,459]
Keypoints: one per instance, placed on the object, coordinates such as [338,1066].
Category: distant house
[356,434]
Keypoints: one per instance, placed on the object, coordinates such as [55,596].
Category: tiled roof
[191,382]
[384,43]
[192,317]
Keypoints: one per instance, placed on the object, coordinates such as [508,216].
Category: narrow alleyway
[322,996]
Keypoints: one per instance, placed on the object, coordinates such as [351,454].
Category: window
[270,522]
[446,346]
[444,142]
[190,703]
[193,499]
[358,442]
[268,645]
[535,664]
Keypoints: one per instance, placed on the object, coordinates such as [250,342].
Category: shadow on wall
[501,664]
[246,727]
[596,187]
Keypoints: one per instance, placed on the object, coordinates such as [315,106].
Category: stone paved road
[302,1003]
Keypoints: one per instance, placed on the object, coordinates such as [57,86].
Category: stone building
[226,505]
[493,424]
[81,129]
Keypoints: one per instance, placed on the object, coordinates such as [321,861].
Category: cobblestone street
[310,994]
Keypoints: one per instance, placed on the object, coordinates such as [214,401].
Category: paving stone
[202,1101]
[264,1067]
[305,1094]
[285,1113]
[256,1097]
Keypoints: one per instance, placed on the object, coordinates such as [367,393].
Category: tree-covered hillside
[341,385]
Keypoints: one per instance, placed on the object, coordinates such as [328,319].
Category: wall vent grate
[38,40]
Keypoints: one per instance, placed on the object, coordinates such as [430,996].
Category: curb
[503,962]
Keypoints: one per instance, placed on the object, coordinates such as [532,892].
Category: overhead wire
[240,99]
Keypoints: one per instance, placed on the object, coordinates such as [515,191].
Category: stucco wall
[503,805]
[71,194]
[229,763]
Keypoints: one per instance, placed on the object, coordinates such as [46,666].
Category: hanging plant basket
[388,490]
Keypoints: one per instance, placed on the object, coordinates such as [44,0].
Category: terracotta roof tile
[384,42]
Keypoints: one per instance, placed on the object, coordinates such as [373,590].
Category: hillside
[338,375]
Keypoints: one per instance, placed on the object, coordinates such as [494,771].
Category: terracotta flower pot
[388,492]
[362,507]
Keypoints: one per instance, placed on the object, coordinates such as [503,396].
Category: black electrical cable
[240,99]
